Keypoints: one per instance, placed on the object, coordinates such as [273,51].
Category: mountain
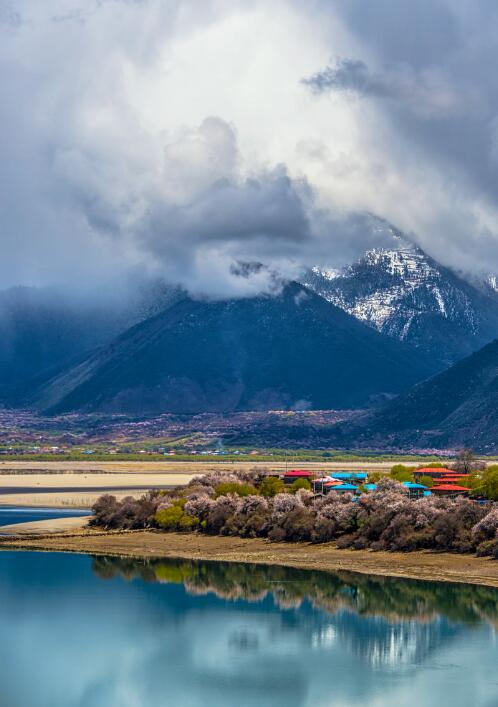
[458,407]
[404,293]
[40,331]
[292,350]
[43,330]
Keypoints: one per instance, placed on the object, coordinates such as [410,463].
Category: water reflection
[383,597]
[110,632]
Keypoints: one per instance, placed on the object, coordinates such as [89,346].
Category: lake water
[83,632]
[17,514]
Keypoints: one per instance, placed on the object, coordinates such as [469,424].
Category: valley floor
[443,567]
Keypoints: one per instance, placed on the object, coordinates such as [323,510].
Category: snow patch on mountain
[404,293]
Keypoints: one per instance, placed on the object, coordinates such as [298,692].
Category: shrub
[489,485]
[270,486]
[402,473]
[169,518]
[235,488]
[300,484]
[426,481]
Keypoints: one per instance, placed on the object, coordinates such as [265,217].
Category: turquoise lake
[79,631]
[17,514]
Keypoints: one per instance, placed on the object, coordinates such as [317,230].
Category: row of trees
[258,506]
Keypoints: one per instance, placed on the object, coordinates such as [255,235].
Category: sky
[183,138]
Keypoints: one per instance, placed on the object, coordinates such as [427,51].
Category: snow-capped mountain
[404,293]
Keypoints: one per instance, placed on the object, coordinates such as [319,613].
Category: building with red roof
[434,472]
[447,489]
[294,474]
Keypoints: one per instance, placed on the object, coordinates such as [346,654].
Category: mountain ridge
[404,293]
[289,350]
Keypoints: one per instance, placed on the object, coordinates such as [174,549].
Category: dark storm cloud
[428,68]
[348,75]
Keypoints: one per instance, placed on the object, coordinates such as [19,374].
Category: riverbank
[441,567]
[46,526]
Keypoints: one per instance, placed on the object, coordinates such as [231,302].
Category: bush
[426,481]
[235,488]
[169,518]
[300,484]
[174,518]
[489,485]
[270,486]
[402,473]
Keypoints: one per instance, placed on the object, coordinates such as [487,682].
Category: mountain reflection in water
[110,632]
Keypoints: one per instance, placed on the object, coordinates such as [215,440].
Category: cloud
[177,138]
[428,94]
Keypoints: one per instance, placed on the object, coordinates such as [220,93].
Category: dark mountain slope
[457,407]
[292,350]
[43,330]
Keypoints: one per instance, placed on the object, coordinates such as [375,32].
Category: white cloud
[178,137]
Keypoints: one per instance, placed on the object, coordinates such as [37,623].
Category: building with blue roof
[415,490]
[348,488]
[353,477]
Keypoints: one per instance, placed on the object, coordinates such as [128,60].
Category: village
[439,481]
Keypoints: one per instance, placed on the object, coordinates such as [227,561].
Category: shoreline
[421,565]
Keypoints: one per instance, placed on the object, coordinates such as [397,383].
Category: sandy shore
[444,567]
[80,490]
[51,525]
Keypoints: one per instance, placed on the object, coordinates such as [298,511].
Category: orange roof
[449,487]
[434,470]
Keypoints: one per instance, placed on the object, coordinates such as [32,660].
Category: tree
[235,488]
[489,485]
[270,486]
[402,473]
[169,518]
[426,481]
[465,462]
[300,484]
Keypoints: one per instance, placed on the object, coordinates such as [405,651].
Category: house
[291,476]
[341,487]
[352,477]
[415,490]
[319,485]
[433,472]
[450,490]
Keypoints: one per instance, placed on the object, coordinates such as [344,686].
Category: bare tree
[466,462]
